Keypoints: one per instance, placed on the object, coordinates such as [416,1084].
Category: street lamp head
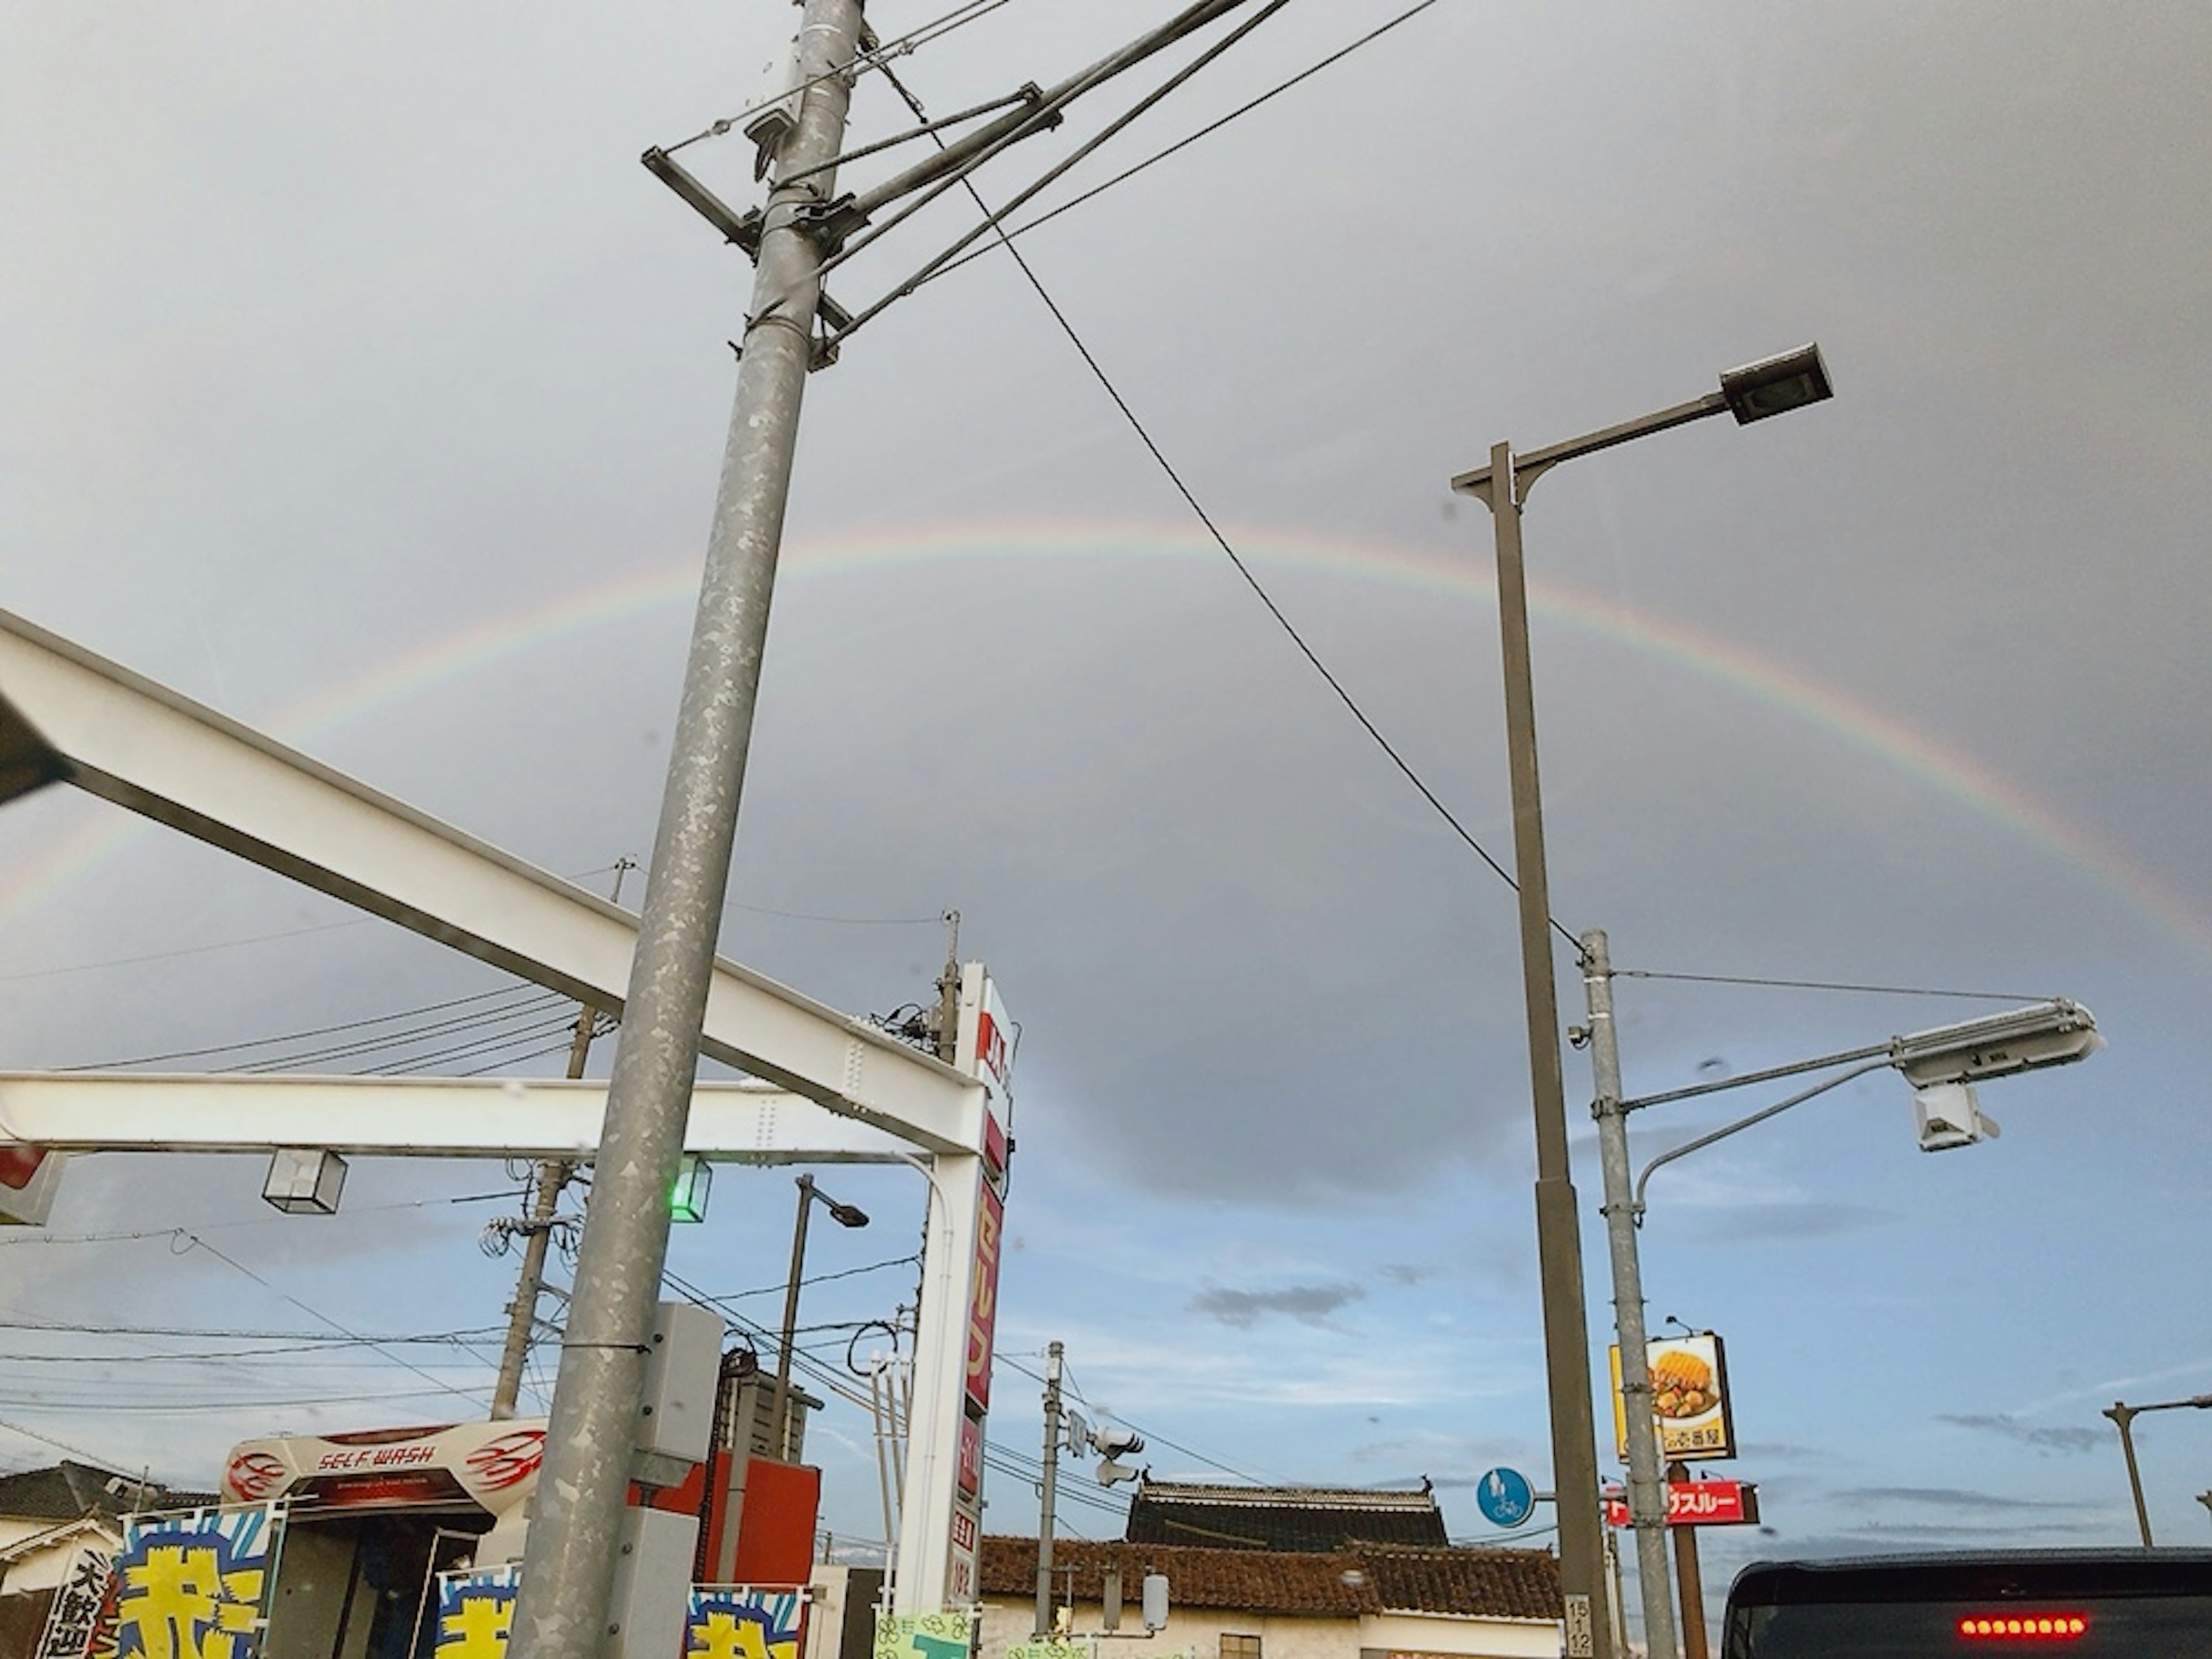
[2053,1033]
[847,1215]
[1775,386]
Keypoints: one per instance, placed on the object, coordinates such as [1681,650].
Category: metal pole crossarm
[1756,391]
[1526,468]
[1029,93]
[539,1118]
[1742,1123]
[2055,1032]
[69,716]
[1878,1052]
[838,220]
[742,228]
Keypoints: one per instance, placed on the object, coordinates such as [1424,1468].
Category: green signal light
[687,1199]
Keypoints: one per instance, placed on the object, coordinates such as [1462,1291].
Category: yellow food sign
[1689,1399]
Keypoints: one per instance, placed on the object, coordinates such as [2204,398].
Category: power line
[1211,127]
[876,57]
[528,993]
[44,1239]
[1221,540]
[232,1262]
[1823,985]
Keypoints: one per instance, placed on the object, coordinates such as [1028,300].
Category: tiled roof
[1314,1518]
[1510,1583]
[1337,1583]
[67,1490]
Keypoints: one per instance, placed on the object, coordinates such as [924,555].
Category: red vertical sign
[983,1293]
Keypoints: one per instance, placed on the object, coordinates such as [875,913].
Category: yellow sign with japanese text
[1689,1399]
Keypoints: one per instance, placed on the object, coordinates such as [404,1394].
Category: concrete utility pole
[1647,1489]
[1559,1227]
[552,1180]
[568,1565]
[1689,1580]
[1049,1491]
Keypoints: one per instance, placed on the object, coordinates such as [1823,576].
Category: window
[1239,1647]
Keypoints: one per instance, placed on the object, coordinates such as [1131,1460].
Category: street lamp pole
[1647,1487]
[1772,386]
[2125,1416]
[845,1215]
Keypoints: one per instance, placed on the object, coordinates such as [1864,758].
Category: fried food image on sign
[1682,1385]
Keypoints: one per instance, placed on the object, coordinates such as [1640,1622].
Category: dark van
[1990,1604]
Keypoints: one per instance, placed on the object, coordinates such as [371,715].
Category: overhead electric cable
[1209,128]
[193,1239]
[875,56]
[1221,540]
[46,1240]
[528,993]
[1824,984]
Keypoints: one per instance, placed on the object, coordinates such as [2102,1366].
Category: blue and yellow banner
[475,1611]
[733,1621]
[192,1585]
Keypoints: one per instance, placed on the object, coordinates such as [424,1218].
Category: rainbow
[1740,669]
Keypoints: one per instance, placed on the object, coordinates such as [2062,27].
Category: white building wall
[1435,1633]
[1197,1633]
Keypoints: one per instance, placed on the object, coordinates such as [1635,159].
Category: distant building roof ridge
[1172,1492]
[1305,1519]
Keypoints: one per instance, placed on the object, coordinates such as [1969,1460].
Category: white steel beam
[67,716]
[411,1117]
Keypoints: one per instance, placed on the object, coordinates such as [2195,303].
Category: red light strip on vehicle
[2023,1628]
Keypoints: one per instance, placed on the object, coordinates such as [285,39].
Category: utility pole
[1558,1222]
[1689,1580]
[568,1565]
[552,1180]
[1048,1490]
[1647,1493]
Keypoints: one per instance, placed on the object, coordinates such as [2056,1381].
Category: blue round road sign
[1504,1497]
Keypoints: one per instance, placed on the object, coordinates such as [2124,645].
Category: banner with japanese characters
[925,1635]
[475,1611]
[192,1585]
[733,1621]
[79,1600]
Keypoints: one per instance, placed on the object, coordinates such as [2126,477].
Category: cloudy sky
[362,384]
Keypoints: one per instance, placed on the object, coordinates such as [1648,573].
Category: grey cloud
[1955,1497]
[1788,1222]
[1311,1303]
[2070,1438]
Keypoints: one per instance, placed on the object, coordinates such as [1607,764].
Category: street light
[2125,1415]
[1773,385]
[845,1215]
[1941,1064]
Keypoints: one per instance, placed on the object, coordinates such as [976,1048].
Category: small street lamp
[845,1215]
[1773,385]
[2125,1415]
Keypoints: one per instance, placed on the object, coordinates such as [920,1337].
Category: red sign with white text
[1695,1503]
